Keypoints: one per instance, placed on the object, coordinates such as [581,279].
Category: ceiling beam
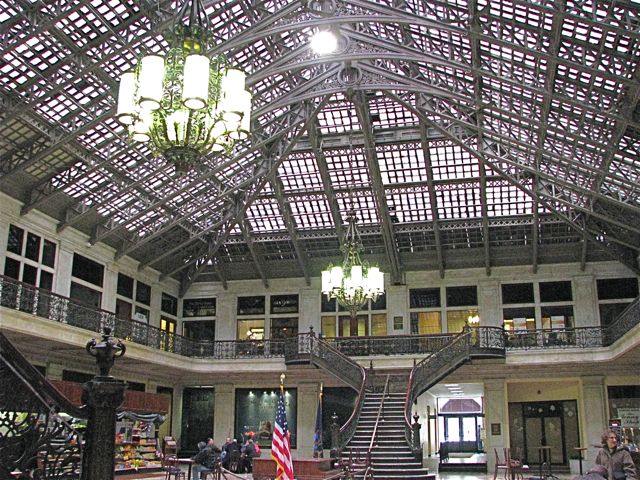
[362,110]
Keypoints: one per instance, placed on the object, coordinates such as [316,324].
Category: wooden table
[186,461]
[580,450]
[303,468]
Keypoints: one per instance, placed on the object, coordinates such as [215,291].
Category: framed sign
[198,307]
[250,305]
[284,304]
[495,429]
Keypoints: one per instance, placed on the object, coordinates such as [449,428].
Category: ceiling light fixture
[354,282]
[185,104]
[324,42]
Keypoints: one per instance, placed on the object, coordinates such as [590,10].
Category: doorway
[551,424]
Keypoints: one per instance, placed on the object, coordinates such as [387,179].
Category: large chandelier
[354,282]
[185,104]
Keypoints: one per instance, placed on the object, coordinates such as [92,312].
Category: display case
[136,446]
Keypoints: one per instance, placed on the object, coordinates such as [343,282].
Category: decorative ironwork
[492,340]
[35,440]
[106,351]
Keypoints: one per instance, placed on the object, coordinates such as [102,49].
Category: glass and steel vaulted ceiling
[465,134]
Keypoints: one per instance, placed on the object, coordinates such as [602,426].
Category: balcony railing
[43,303]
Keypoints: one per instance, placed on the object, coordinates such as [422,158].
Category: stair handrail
[375,427]
[442,362]
[324,355]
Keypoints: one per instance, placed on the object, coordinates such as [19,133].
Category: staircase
[391,457]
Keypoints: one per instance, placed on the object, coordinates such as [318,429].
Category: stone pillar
[489,303]
[54,371]
[307,404]
[226,316]
[585,303]
[496,419]
[593,415]
[4,236]
[415,437]
[397,306]
[223,413]
[62,278]
[309,310]
[109,289]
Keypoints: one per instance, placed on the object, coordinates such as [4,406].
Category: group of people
[232,456]
[613,461]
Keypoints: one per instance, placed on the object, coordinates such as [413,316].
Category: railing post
[415,437]
[102,395]
[335,432]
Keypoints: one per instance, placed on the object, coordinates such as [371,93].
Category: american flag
[280,446]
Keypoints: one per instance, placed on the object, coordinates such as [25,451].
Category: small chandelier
[185,104]
[355,282]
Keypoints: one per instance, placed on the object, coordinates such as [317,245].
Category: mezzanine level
[42,320]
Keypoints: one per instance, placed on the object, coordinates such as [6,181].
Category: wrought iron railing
[35,440]
[629,318]
[43,303]
[327,357]
[471,342]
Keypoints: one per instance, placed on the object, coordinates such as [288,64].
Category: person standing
[617,460]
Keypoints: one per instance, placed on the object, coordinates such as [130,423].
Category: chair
[234,461]
[502,464]
[516,462]
[172,469]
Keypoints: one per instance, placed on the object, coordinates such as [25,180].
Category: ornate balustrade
[35,440]
[42,303]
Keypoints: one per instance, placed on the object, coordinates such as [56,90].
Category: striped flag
[317,434]
[280,446]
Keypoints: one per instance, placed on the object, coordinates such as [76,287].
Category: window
[423,323]
[284,304]
[198,307]
[30,258]
[251,305]
[169,304]
[126,307]
[462,296]
[337,322]
[85,295]
[424,297]
[519,319]
[200,330]
[513,293]
[86,269]
[555,292]
[168,327]
[284,327]
[250,329]
[614,295]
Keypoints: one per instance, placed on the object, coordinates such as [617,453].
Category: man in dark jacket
[617,460]
[205,460]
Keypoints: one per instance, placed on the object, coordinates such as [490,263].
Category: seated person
[249,451]
[230,454]
[205,460]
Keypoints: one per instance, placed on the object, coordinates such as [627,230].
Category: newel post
[102,396]
[415,437]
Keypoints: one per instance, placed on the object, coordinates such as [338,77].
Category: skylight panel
[311,213]
[401,163]
[300,172]
[409,205]
[363,202]
[264,215]
[504,199]
[385,113]
[338,117]
[450,162]
[458,201]
[347,168]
